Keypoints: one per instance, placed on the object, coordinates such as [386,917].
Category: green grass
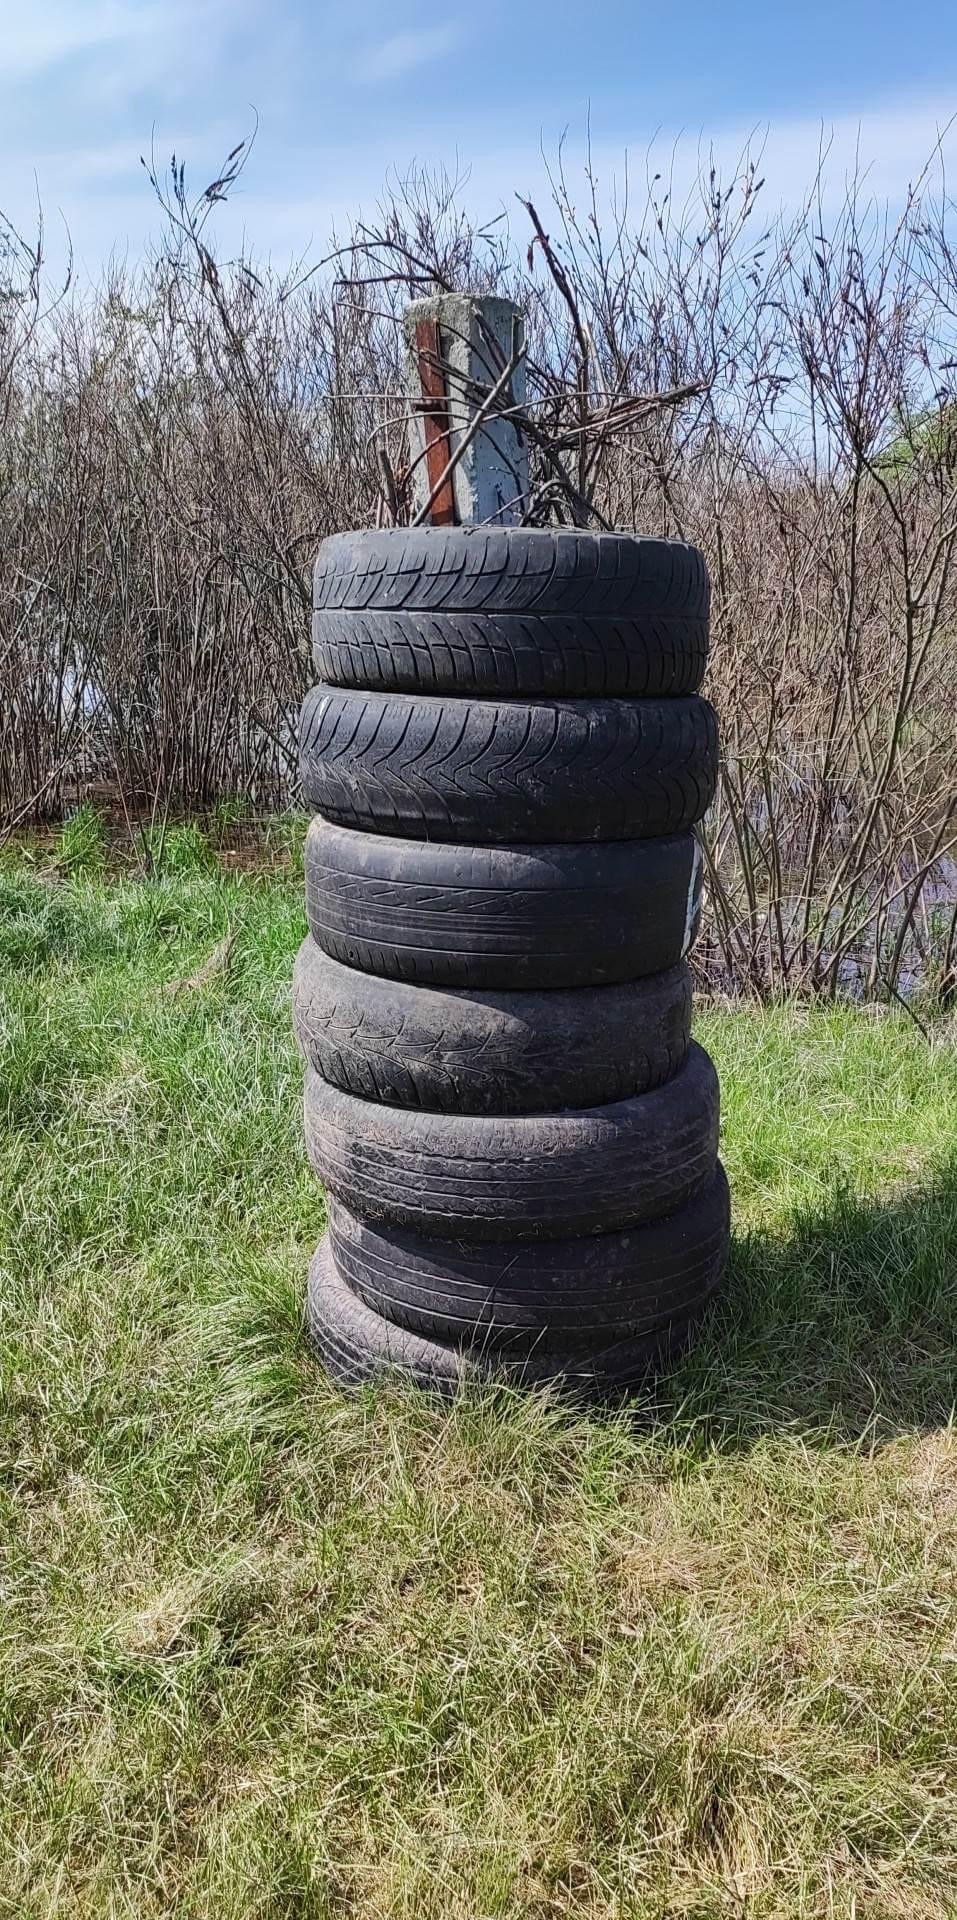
[268,1652]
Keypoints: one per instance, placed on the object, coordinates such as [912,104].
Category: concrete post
[460,348]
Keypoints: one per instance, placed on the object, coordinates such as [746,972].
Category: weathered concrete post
[465,356]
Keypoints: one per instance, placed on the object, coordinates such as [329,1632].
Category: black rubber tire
[457,1052]
[542,1296]
[561,611]
[358,1347]
[502,771]
[571,656]
[530,1176]
[510,570]
[524,916]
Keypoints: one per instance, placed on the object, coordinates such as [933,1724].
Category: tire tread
[508,771]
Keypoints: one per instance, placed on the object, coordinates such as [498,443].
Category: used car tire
[452,1051]
[542,915]
[507,770]
[358,1347]
[536,1296]
[560,611]
[510,570]
[571,656]
[513,1177]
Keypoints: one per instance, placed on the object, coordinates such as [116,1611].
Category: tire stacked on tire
[507,756]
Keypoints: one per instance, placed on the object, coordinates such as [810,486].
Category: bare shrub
[175,445]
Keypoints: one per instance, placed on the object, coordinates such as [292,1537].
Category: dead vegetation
[780,391]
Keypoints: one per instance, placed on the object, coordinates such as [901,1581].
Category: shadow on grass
[843,1325]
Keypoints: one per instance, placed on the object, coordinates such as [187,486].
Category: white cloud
[46,34]
[91,54]
[298,185]
[885,145]
[403,53]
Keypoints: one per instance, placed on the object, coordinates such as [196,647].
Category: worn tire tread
[358,1347]
[534,915]
[564,656]
[542,1293]
[535,1177]
[456,1051]
[489,570]
[508,770]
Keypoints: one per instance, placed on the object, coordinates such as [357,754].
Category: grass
[269,1654]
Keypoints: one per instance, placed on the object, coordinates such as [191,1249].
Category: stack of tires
[508,756]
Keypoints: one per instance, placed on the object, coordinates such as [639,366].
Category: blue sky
[346,95]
